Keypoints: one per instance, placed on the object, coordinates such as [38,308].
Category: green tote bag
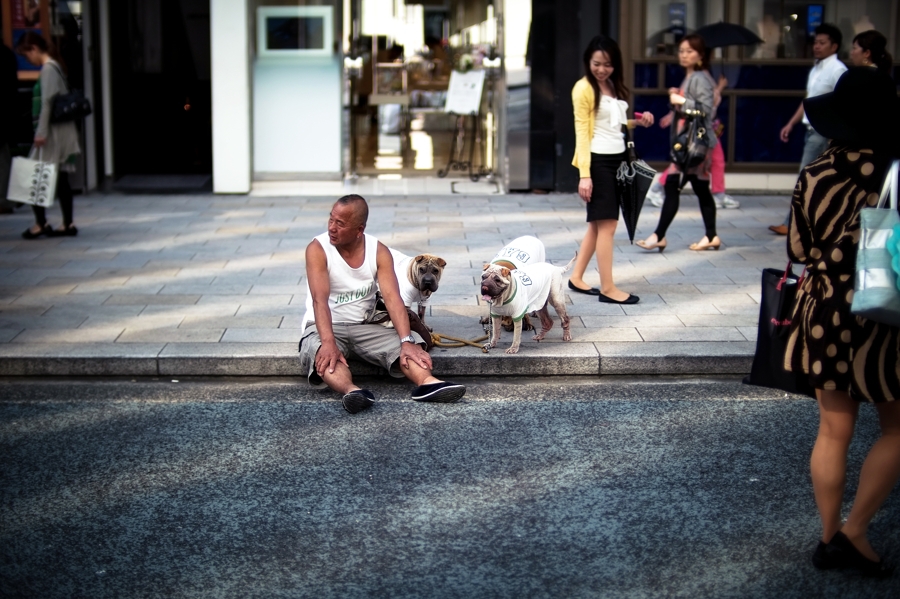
[876,295]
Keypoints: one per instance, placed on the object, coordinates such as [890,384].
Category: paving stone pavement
[215,285]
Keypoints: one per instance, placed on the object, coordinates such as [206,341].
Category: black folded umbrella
[633,180]
[721,34]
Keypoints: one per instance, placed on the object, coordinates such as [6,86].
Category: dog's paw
[513,350]
[567,336]
[540,336]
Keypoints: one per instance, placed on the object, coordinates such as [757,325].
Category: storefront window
[788,27]
[668,22]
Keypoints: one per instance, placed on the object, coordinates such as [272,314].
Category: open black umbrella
[633,181]
[721,34]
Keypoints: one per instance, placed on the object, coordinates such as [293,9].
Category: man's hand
[786,132]
[585,188]
[414,352]
[327,358]
[39,141]
[666,120]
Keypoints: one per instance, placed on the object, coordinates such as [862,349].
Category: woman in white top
[599,101]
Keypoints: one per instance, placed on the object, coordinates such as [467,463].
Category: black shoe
[443,392]
[358,400]
[70,231]
[843,554]
[45,230]
[821,559]
[631,299]
[591,291]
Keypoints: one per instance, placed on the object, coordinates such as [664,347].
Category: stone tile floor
[218,283]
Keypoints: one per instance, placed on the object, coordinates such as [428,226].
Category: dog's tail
[571,262]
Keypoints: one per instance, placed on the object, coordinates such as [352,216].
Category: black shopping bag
[779,291]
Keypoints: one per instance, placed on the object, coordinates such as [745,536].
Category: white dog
[514,293]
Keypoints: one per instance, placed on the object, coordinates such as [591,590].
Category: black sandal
[45,230]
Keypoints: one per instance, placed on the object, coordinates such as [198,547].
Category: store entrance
[398,126]
[161,93]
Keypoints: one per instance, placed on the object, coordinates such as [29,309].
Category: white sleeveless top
[352,289]
[408,292]
[607,135]
[532,290]
[522,251]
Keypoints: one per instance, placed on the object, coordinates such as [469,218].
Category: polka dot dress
[839,351]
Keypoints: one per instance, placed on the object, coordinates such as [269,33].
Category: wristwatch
[408,338]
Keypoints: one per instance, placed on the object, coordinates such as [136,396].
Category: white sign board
[464,93]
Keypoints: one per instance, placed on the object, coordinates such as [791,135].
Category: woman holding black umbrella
[600,104]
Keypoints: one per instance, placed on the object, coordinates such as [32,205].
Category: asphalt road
[542,488]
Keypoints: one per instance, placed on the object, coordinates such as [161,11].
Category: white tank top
[352,289]
[607,136]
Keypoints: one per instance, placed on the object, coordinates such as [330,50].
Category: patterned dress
[839,351]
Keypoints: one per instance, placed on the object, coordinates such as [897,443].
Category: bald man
[344,269]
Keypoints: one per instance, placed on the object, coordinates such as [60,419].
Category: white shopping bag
[32,181]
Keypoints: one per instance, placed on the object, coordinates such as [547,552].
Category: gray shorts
[372,343]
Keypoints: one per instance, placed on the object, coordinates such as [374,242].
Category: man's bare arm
[319,288]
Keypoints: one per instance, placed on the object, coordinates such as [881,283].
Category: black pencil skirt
[604,205]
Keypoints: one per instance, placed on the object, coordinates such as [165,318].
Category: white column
[230,96]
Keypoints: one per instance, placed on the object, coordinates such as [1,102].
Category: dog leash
[438,340]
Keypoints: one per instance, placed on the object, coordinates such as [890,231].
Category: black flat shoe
[821,559]
[45,230]
[631,299]
[843,554]
[591,291]
[70,231]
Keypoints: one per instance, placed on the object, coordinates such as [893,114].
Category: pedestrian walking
[697,92]
[600,101]
[345,267]
[56,142]
[869,49]
[847,358]
[656,195]
[822,78]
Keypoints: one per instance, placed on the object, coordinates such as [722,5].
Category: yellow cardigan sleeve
[583,103]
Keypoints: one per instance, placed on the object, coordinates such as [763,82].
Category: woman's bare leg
[828,464]
[878,476]
[585,253]
[606,229]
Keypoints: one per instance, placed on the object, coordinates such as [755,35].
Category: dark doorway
[161,95]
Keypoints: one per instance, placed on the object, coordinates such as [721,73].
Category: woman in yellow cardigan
[600,106]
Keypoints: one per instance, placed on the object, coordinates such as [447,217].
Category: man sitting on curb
[343,266]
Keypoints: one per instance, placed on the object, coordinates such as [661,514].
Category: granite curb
[280,359]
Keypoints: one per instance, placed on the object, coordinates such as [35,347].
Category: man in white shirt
[344,267]
[822,79]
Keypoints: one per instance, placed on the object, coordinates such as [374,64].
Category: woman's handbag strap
[889,189]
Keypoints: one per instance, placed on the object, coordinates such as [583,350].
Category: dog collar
[504,264]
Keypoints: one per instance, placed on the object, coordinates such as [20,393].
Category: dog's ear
[486,266]
[505,271]
[419,258]
[441,262]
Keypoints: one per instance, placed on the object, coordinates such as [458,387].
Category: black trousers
[64,194]
[670,204]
